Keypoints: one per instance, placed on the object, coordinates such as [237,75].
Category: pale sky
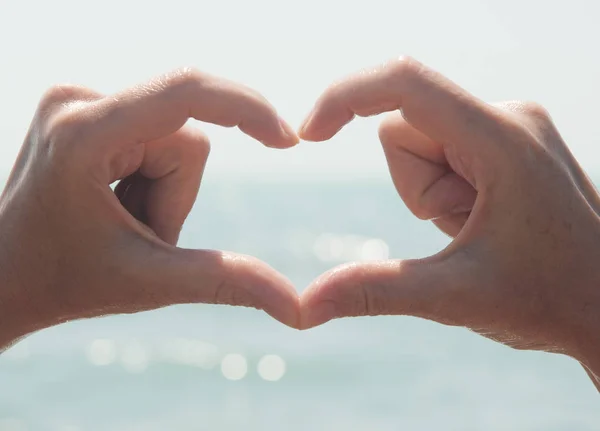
[291,50]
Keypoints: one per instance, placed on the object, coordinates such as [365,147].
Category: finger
[435,289]
[421,173]
[162,106]
[159,275]
[430,102]
[451,225]
[174,166]
[163,181]
[131,192]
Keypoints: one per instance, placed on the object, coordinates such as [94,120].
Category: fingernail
[318,314]
[461,209]
[289,133]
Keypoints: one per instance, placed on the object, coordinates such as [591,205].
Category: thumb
[163,275]
[437,288]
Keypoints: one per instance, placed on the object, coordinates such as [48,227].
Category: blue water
[172,368]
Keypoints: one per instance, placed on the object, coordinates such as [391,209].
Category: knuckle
[387,129]
[510,133]
[532,132]
[537,118]
[358,293]
[255,99]
[545,142]
[192,148]
[227,293]
[419,210]
[403,67]
[414,201]
[60,93]
[535,110]
[260,100]
[187,76]
[199,148]
[371,300]
[394,131]
[182,79]
[63,128]
[56,96]
[425,202]
[62,113]
[336,88]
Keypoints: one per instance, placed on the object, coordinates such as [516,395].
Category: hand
[523,268]
[71,248]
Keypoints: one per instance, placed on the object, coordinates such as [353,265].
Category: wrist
[24,308]
[580,301]
[587,352]
[19,315]
[15,317]
[584,335]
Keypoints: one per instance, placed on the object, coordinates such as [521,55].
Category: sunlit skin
[498,178]
[71,248]
[523,266]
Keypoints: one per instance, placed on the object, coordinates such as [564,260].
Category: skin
[499,179]
[71,248]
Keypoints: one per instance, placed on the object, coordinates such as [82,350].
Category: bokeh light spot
[102,352]
[234,366]
[271,367]
[374,249]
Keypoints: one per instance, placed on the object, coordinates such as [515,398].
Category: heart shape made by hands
[462,163]
[465,165]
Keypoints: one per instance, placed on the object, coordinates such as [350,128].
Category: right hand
[523,268]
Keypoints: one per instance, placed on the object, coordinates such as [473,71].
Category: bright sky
[291,50]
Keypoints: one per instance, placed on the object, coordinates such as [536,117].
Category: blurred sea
[200,367]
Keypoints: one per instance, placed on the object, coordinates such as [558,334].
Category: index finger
[429,102]
[162,106]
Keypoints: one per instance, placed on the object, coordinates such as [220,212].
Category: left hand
[71,248]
